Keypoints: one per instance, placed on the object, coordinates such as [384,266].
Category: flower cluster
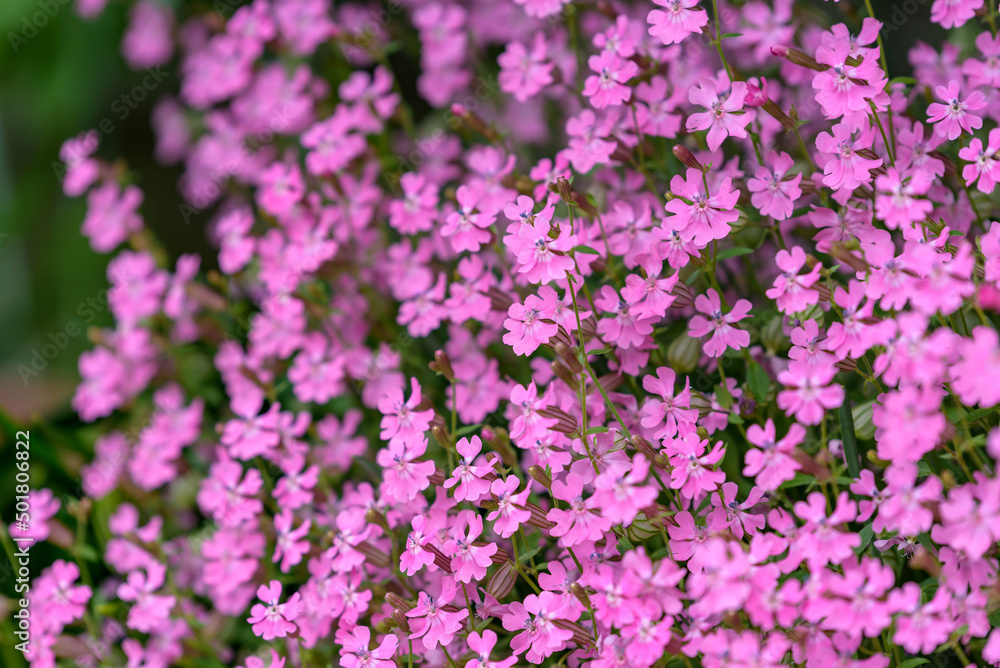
[631,334]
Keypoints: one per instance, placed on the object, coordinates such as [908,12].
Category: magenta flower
[774,463]
[692,464]
[724,118]
[467,227]
[608,87]
[401,419]
[793,292]
[673,412]
[535,618]
[622,496]
[677,20]
[431,622]
[482,646]
[818,542]
[808,394]
[525,73]
[774,193]
[696,215]
[272,619]
[526,329]
[580,522]
[355,652]
[955,116]
[718,326]
[469,561]
[404,476]
[846,168]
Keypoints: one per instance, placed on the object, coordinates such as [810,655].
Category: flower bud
[864,428]
[687,158]
[798,57]
[645,447]
[537,474]
[386,625]
[442,365]
[773,336]
[499,557]
[373,555]
[846,365]
[440,560]
[565,375]
[501,583]
[841,253]
[401,621]
[569,358]
[565,423]
[438,477]
[398,602]
[683,296]
[873,458]
[537,518]
[683,354]
[499,440]
[441,436]
[702,433]
[581,594]
[375,517]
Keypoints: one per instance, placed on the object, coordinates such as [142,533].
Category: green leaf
[727,253]
[734,418]
[599,351]
[850,439]
[800,480]
[915,661]
[758,380]
[459,433]
[624,545]
[730,34]
[523,558]
[597,430]
[907,80]
[586,249]
[866,534]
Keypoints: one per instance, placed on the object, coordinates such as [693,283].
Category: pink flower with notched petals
[272,619]
[540,258]
[579,522]
[625,328]
[291,544]
[414,556]
[400,418]
[526,330]
[431,622]
[955,116]
[403,476]
[719,326]
[724,118]
[730,514]
[111,215]
[355,652]
[846,168]
[818,542]
[774,462]
[467,227]
[793,292]
[774,194]
[896,202]
[467,478]
[809,395]
[535,619]
[696,215]
[982,164]
[524,71]
[469,561]
[692,464]
[672,411]
[149,611]
[510,513]
[81,170]
[482,646]
[622,496]
[954,13]
[677,20]
[908,423]
[608,87]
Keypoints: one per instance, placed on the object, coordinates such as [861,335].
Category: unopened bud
[442,365]
[846,365]
[438,477]
[499,557]
[873,458]
[702,433]
[645,447]
[373,555]
[441,436]
[375,517]
[687,157]
[401,621]
[386,625]
[841,253]
[683,296]
[501,583]
[861,414]
[581,594]
[565,375]
[538,474]
[798,57]
[683,353]
[398,602]
[472,120]
[569,358]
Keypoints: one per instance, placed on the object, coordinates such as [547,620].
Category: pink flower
[773,194]
[482,646]
[431,622]
[625,327]
[469,562]
[467,228]
[111,216]
[81,170]
[404,476]
[677,20]
[846,168]
[401,419]
[896,203]
[608,87]
[818,542]
[355,652]
[692,466]
[954,13]
[953,117]
[695,214]
[540,258]
[274,620]
[673,411]
[622,496]
[149,611]
[719,326]
[468,477]
[908,423]
[535,621]
[774,463]
[791,291]
[731,514]
[808,395]
[526,330]
[510,512]
[983,163]
[724,118]
[525,73]
[580,521]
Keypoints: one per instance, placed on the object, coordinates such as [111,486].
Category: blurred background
[60,75]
